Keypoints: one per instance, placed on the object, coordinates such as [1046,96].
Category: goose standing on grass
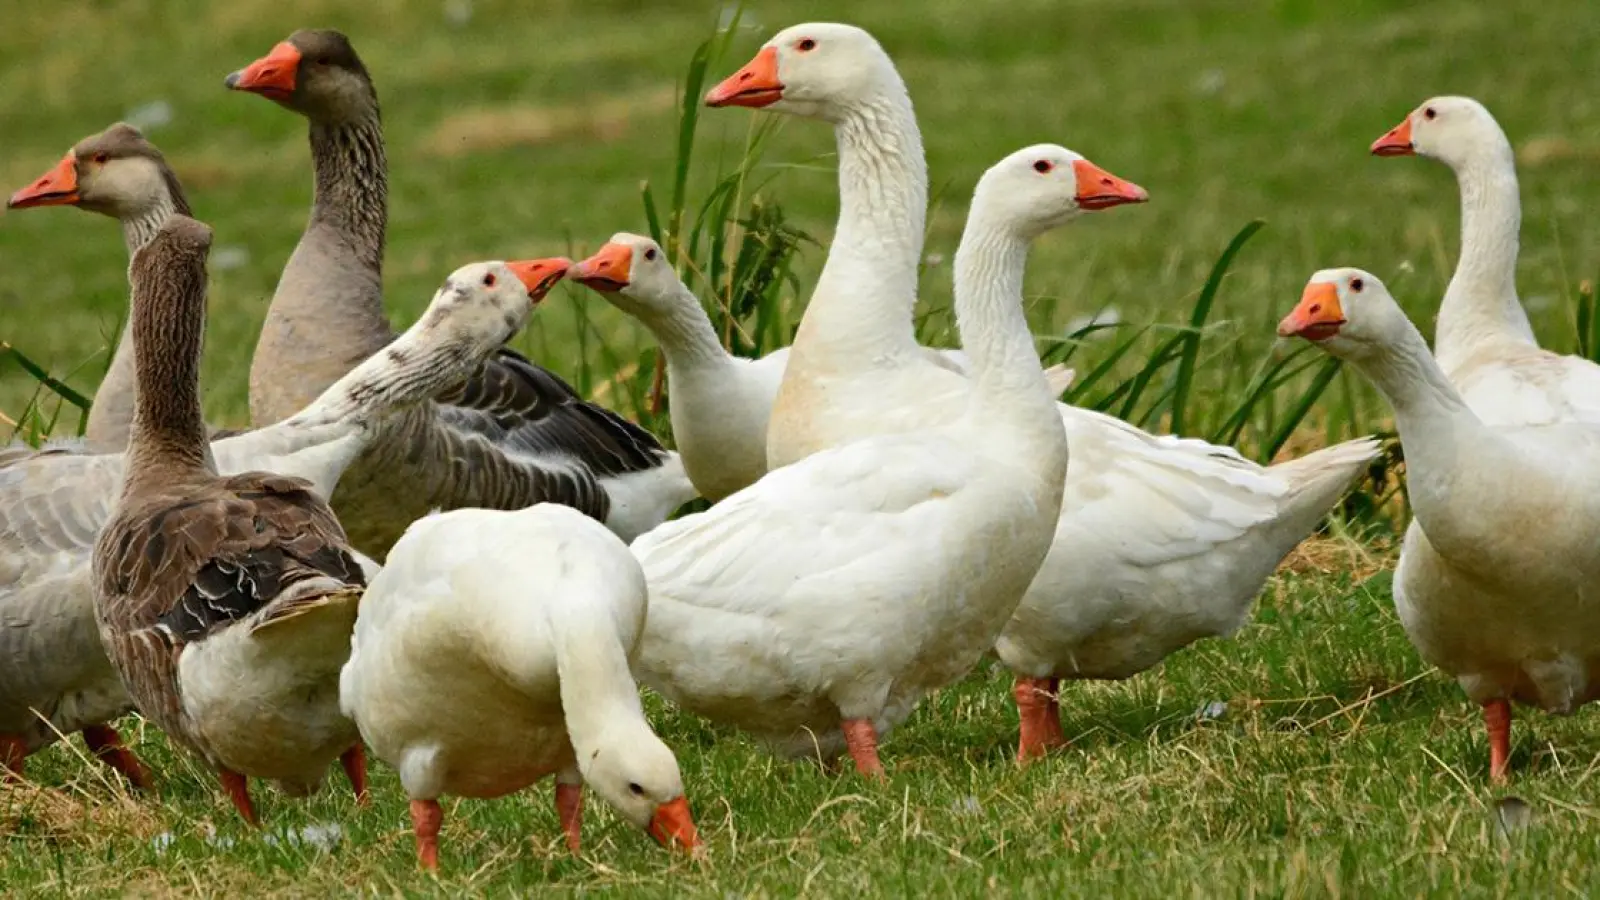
[824,601]
[513,436]
[1161,540]
[1496,579]
[54,675]
[1483,342]
[117,173]
[493,651]
[719,402]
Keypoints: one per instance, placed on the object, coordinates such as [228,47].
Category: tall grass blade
[1190,351]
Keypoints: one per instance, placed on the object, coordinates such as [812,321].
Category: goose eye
[324,60]
[806,45]
[489,280]
[1043,166]
[1356,285]
[100,157]
[1430,113]
[636,789]
[650,254]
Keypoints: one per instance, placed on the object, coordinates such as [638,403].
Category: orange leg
[569,806]
[239,792]
[354,761]
[104,742]
[1497,716]
[13,750]
[426,817]
[862,739]
[1040,713]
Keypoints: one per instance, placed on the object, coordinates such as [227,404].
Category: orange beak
[57,187]
[1317,317]
[1099,189]
[540,275]
[673,823]
[1397,142]
[607,271]
[271,76]
[756,85]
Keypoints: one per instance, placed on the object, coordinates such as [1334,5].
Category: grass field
[1312,755]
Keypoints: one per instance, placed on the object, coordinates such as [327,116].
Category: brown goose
[119,174]
[225,603]
[514,436]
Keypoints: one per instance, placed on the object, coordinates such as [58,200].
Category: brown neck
[169,318]
[112,413]
[327,313]
[352,185]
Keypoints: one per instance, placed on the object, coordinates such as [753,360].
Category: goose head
[1347,312]
[1041,187]
[313,72]
[116,172]
[640,779]
[486,303]
[1450,129]
[818,70]
[633,272]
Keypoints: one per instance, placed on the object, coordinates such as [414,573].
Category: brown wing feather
[178,567]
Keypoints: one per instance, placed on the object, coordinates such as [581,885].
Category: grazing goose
[819,605]
[514,436]
[54,674]
[1161,540]
[719,402]
[1484,343]
[493,651]
[1495,584]
[117,173]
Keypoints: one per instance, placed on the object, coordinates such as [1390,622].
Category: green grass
[1341,765]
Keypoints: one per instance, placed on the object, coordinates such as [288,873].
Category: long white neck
[1008,387]
[1481,301]
[862,307]
[598,695]
[416,366]
[1444,441]
[680,325]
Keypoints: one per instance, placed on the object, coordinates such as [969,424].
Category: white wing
[855,513]
[1529,386]
[1151,500]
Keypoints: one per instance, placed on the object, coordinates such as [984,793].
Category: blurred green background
[519,130]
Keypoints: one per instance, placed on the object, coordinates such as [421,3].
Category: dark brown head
[116,172]
[315,73]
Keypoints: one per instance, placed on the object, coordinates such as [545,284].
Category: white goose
[827,598]
[1496,578]
[54,675]
[1162,540]
[493,651]
[719,402]
[1484,343]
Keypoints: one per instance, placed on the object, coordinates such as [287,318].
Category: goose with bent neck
[816,607]
[118,173]
[513,435]
[1484,342]
[492,652]
[1494,584]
